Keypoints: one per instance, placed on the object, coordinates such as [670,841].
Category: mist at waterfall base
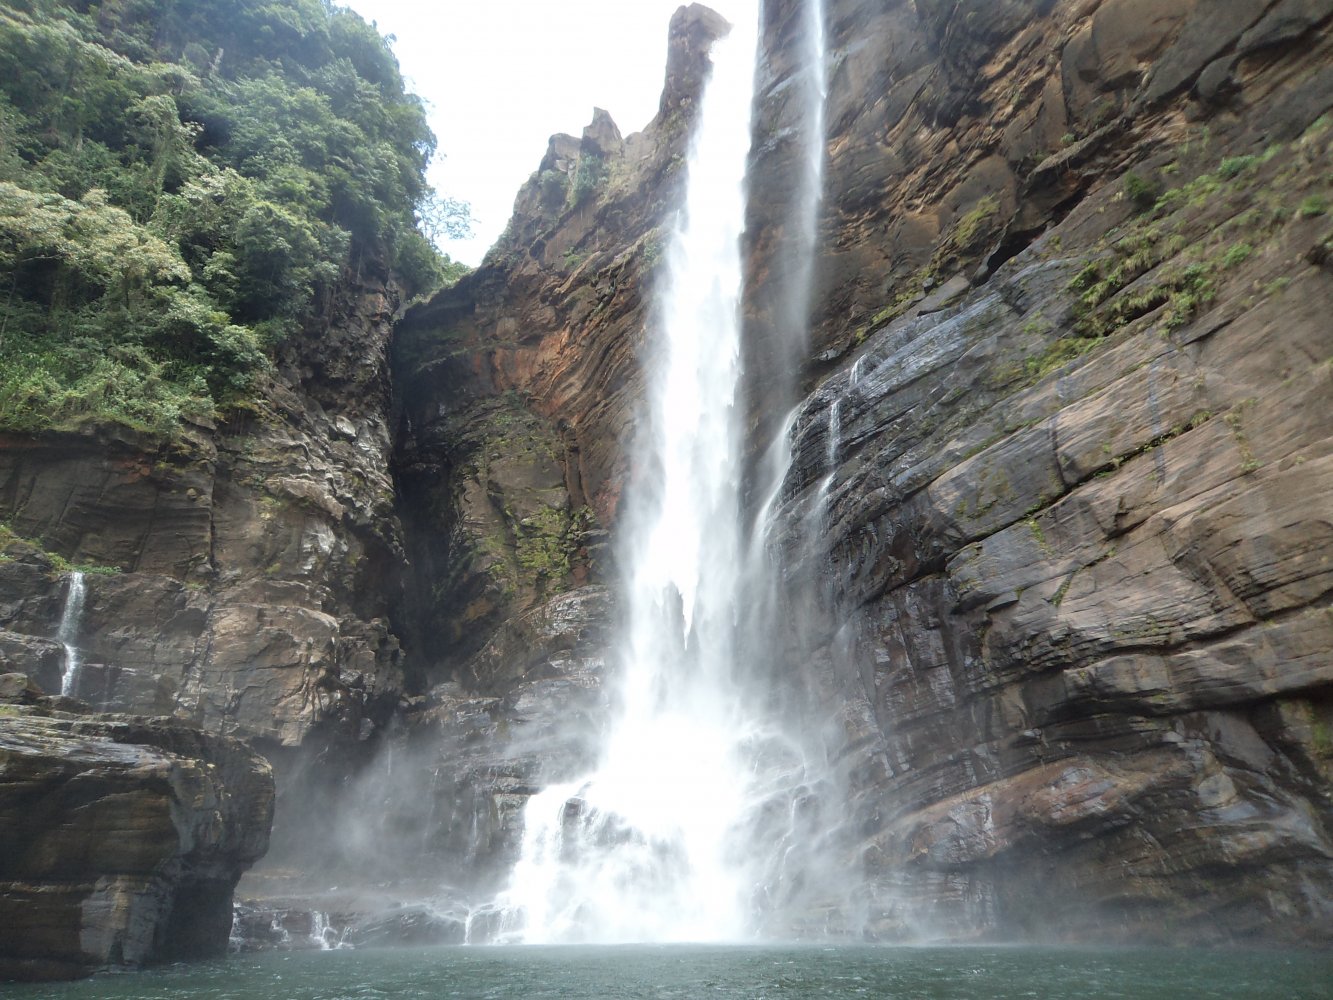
[686,828]
[699,807]
[685,972]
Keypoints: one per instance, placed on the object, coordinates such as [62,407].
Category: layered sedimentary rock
[121,838]
[518,390]
[517,387]
[243,574]
[1074,556]
[1056,528]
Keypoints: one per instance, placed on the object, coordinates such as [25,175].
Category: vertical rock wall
[243,575]
[1074,566]
[120,839]
[1061,611]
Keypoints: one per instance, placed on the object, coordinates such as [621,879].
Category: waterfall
[68,632]
[795,264]
[641,849]
[684,830]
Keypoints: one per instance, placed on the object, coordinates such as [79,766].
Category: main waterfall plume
[645,848]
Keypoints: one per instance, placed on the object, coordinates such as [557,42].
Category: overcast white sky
[501,76]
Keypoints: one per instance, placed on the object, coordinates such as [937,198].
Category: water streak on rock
[68,633]
[643,849]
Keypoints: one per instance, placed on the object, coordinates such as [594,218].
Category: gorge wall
[1056,529]
[1064,605]
[1076,569]
[242,575]
[122,838]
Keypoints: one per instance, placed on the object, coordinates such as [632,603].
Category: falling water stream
[68,632]
[642,849]
[673,837]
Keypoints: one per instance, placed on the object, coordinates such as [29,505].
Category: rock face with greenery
[1074,579]
[518,386]
[181,188]
[210,214]
[1064,614]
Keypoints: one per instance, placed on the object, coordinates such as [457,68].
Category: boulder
[121,840]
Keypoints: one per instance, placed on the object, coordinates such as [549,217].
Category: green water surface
[718,973]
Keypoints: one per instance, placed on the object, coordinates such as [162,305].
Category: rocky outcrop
[1072,563]
[241,575]
[1054,534]
[121,838]
[412,845]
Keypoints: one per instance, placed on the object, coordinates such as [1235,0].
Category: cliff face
[515,393]
[517,387]
[1073,560]
[241,577]
[1063,603]
[1055,531]
[122,838]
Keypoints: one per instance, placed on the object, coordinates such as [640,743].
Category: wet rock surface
[241,576]
[1071,566]
[121,838]
[517,388]
[434,817]
[1055,532]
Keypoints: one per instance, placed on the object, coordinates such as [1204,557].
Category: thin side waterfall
[814,88]
[811,82]
[649,847]
[68,633]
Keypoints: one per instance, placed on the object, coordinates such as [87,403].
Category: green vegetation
[1168,261]
[1234,166]
[546,542]
[589,175]
[1039,536]
[552,186]
[1143,194]
[652,250]
[1153,263]
[1314,206]
[181,184]
[1321,738]
[1237,254]
[58,562]
[975,222]
[1235,420]
[1057,355]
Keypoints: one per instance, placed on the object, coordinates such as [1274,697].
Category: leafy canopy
[181,184]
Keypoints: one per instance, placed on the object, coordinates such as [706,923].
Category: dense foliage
[181,182]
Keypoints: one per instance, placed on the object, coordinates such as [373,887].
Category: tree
[180,181]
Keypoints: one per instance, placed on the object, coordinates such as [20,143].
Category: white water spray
[68,632]
[792,327]
[814,86]
[643,849]
[685,830]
